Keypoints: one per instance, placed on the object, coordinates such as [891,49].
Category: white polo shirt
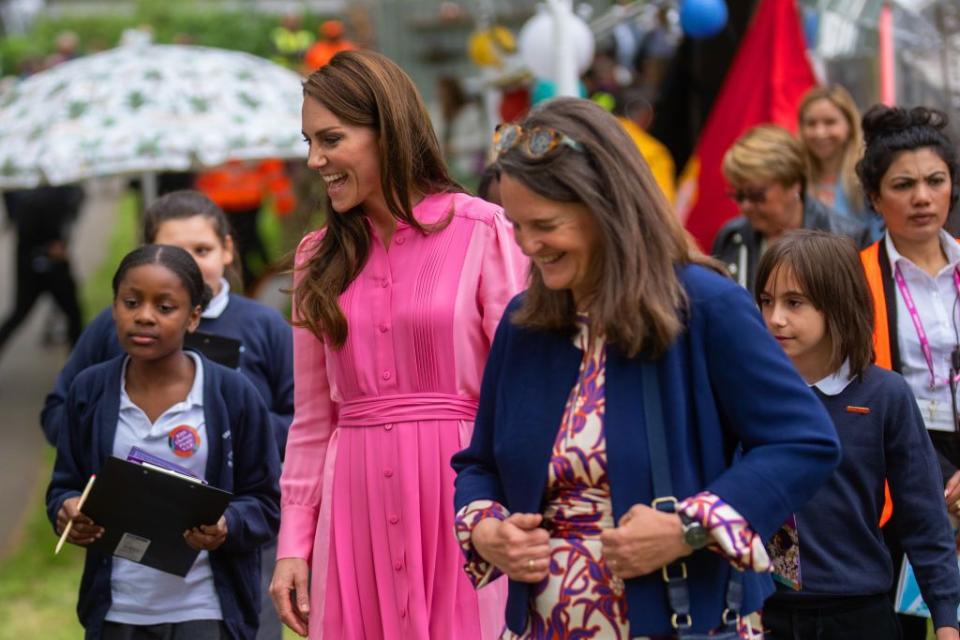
[143,595]
[219,302]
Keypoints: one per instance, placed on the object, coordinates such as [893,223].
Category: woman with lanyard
[909,173]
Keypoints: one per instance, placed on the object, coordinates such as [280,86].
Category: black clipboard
[144,511]
[220,349]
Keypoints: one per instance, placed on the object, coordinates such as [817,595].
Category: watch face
[696,536]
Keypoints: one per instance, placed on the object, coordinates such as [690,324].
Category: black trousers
[853,618]
[54,278]
[189,630]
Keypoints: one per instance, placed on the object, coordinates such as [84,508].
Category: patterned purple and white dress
[580,598]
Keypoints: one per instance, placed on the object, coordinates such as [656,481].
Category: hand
[84,530]
[951,494]
[290,583]
[517,546]
[947,633]
[644,541]
[207,537]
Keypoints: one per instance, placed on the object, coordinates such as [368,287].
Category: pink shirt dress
[367,487]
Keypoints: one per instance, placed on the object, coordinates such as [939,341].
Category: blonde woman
[829,128]
[766,174]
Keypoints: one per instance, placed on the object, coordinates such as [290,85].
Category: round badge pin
[184,441]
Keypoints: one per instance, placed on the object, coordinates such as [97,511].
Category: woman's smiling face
[824,129]
[561,238]
[346,156]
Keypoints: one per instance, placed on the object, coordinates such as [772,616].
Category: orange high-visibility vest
[239,186]
[870,257]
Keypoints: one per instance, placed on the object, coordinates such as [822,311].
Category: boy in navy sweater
[815,301]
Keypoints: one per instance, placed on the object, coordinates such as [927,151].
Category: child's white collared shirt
[142,595]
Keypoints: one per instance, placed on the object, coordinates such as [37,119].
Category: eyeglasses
[754,196]
[536,142]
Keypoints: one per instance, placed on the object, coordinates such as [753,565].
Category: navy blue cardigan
[242,458]
[725,383]
[266,360]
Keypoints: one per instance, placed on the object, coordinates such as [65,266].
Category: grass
[38,591]
[96,292]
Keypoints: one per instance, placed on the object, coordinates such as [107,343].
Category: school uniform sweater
[242,458]
[266,360]
[842,552]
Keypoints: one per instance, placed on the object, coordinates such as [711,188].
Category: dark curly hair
[888,131]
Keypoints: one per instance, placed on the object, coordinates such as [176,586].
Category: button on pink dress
[367,488]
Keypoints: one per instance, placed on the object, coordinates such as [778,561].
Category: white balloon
[537,45]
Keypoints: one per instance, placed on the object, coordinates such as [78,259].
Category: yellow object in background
[657,156]
[487,47]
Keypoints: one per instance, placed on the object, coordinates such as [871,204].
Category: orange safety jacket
[322,52]
[241,186]
[870,257]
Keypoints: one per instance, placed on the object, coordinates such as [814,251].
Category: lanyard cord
[918,322]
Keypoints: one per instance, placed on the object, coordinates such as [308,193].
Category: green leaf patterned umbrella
[147,108]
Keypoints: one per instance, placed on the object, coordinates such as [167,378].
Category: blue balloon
[703,18]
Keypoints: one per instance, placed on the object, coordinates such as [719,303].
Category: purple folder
[140,456]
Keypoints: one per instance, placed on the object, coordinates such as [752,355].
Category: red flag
[768,76]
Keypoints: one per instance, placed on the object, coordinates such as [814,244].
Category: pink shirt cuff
[298,527]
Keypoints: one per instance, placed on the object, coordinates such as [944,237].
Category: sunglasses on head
[754,196]
[536,142]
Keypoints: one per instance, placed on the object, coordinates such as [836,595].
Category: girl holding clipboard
[179,406]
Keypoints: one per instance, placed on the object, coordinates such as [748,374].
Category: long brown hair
[639,300]
[852,149]
[367,89]
[828,271]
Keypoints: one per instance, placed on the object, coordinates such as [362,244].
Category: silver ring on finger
[530,564]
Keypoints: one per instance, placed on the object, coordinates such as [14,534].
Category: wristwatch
[695,534]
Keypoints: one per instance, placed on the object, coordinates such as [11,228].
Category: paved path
[28,369]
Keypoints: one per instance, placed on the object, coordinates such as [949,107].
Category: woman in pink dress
[396,301]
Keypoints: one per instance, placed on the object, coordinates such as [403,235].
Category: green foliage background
[248,31]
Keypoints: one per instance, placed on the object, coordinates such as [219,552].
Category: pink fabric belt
[405,407]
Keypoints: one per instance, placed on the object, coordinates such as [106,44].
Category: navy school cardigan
[242,459]
[266,360]
[725,384]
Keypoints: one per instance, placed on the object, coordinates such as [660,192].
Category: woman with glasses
[396,300]
[767,177]
[620,388]
[910,174]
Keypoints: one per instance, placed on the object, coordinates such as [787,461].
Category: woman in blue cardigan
[557,488]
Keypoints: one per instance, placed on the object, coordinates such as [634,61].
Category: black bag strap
[675,574]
